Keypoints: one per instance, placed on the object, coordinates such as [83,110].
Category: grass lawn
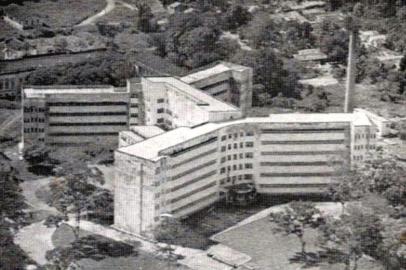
[63,235]
[222,216]
[120,14]
[269,250]
[143,261]
[57,13]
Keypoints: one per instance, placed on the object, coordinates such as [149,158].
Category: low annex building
[79,115]
[186,169]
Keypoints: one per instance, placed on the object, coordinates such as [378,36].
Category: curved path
[111,4]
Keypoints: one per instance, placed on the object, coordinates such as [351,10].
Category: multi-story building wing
[74,115]
[228,82]
[77,115]
[186,169]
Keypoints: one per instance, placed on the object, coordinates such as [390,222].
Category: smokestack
[351,71]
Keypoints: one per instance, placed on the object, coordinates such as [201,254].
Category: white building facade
[184,170]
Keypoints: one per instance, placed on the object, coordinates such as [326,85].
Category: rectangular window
[223,149]
[222,170]
[230,136]
[235,157]
[248,165]
[224,137]
[234,167]
[229,157]
[248,176]
[241,155]
[223,159]
[134,95]
[240,167]
[249,155]
[235,135]
[250,133]
[241,145]
[160,120]
[241,134]
[235,145]
[160,110]
[229,147]
[160,100]
[249,144]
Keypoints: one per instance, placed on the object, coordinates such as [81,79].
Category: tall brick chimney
[351,72]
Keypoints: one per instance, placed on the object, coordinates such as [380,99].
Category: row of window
[235,167]
[235,146]
[236,177]
[235,156]
[33,109]
[8,83]
[33,130]
[197,168]
[360,147]
[85,103]
[162,110]
[366,136]
[235,135]
[34,120]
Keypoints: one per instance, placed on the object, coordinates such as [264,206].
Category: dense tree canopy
[113,69]
[270,72]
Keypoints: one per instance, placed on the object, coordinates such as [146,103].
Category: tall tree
[236,16]
[295,219]
[72,191]
[144,17]
[355,233]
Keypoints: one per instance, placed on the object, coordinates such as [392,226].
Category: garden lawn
[63,235]
[143,261]
[268,250]
[57,13]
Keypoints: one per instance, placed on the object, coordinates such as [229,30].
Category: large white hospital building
[186,169]
[183,141]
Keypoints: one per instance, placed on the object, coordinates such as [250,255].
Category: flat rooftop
[147,131]
[41,91]
[202,99]
[200,75]
[211,71]
[150,148]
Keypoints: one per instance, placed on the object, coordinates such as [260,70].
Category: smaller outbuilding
[311,55]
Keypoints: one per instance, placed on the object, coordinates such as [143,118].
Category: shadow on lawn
[313,259]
